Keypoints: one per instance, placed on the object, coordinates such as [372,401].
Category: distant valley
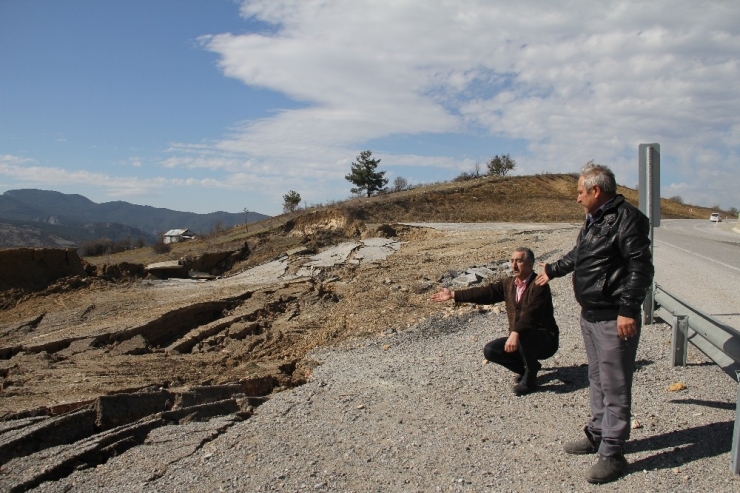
[43,218]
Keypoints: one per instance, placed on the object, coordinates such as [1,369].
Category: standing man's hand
[626,327]
[443,294]
[542,277]
[512,343]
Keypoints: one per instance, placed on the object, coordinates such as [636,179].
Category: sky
[207,105]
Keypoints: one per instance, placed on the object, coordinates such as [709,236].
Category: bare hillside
[112,326]
[541,198]
[96,353]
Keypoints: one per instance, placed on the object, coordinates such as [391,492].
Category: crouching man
[533,333]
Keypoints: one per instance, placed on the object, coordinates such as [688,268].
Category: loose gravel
[419,410]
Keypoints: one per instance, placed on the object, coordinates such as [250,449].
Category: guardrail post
[647,308]
[734,462]
[718,341]
[680,340]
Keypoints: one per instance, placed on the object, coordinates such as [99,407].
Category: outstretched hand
[443,294]
[542,278]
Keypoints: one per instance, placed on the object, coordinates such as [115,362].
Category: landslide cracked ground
[94,338]
[107,338]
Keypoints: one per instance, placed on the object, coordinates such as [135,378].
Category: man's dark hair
[597,174]
[528,254]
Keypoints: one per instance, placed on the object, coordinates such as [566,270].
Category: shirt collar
[523,283]
[596,215]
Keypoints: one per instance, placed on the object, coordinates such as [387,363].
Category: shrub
[400,184]
[103,246]
[465,176]
[161,247]
[97,247]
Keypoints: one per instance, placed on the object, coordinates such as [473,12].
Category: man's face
[589,199]
[520,267]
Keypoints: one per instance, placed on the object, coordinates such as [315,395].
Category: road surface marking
[700,256]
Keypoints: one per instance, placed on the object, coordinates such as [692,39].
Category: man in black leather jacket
[612,271]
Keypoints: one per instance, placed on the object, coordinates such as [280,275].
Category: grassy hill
[539,198]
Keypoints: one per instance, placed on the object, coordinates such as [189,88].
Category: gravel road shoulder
[419,411]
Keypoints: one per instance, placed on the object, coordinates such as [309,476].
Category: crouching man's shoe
[586,445]
[608,468]
[524,388]
[528,382]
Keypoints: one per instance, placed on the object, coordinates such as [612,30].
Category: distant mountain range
[36,218]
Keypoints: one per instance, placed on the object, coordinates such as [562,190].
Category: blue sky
[223,105]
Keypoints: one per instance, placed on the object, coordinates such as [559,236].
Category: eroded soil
[106,338]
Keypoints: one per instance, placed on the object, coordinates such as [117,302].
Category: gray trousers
[611,366]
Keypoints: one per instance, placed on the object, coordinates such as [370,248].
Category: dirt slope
[106,335]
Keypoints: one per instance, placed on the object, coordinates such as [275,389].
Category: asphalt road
[699,262]
[695,260]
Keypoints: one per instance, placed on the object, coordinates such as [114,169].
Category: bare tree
[400,184]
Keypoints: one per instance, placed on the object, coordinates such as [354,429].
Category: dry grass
[539,198]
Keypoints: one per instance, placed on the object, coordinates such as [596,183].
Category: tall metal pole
[648,305]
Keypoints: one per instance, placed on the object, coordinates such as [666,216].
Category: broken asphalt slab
[368,250]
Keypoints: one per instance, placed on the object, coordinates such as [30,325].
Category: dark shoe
[586,445]
[528,381]
[524,388]
[607,469]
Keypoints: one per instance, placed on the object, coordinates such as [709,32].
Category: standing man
[533,333]
[612,271]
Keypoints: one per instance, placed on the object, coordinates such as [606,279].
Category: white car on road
[715,217]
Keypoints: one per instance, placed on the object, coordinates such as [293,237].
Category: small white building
[178,235]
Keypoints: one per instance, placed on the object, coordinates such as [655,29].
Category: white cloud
[561,82]
[574,80]
[20,172]
[13,161]
[133,161]
[25,172]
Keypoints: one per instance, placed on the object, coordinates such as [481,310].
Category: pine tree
[291,201]
[365,176]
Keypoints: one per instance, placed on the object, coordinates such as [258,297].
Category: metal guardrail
[717,340]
